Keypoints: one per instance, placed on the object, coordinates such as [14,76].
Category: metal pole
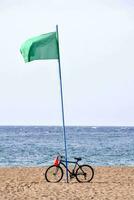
[62,106]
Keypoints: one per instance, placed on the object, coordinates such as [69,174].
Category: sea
[38,145]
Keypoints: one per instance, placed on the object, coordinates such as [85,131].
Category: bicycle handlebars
[59,157]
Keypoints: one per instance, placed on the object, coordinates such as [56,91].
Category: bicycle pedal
[71,176]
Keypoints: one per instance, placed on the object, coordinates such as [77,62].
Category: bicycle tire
[84,173]
[54,174]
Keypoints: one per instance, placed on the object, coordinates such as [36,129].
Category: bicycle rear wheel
[84,173]
[54,174]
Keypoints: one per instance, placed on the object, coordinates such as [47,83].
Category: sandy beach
[109,183]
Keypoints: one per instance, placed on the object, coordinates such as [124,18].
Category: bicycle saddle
[78,159]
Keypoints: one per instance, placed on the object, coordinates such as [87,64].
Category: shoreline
[28,183]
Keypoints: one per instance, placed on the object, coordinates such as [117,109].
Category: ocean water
[38,145]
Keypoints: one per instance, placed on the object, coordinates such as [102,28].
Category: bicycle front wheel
[84,173]
[54,174]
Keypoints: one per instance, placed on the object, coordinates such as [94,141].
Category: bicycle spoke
[85,173]
[54,174]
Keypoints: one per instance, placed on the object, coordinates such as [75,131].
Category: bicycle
[83,173]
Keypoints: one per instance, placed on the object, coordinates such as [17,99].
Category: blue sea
[38,145]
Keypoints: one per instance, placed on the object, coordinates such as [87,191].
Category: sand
[109,183]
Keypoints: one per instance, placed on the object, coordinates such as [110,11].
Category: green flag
[41,47]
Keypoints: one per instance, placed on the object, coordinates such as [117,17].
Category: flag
[41,47]
[45,47]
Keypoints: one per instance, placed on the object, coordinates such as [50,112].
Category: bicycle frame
[62,162]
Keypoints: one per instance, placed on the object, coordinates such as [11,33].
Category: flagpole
[62,106]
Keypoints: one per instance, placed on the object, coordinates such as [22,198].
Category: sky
[96,47]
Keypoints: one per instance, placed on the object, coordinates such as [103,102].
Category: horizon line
[70,125]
